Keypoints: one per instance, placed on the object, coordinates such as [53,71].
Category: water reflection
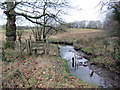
[81,70]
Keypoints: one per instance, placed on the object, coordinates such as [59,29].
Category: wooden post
[27,46]
[35,51]
[30,45]
[73,62]
[91,74]
[20,48]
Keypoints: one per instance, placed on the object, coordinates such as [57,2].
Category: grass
[75,29]
[87,49]
[44,71]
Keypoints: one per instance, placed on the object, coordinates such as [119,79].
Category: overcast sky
[90,11]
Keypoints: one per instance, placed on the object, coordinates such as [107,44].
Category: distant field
[75,29]
[26,30]
[77,34]
[26,34]
[72,34]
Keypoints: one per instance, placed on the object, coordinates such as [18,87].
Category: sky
[86,10]
[90,11]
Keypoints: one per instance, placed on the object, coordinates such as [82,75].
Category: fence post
[27,46]
[30,48]
[35,51]
[30,45]
[73,62]
[19,46]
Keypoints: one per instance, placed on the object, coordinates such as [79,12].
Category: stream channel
[81,68]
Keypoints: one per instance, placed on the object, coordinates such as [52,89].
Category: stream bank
[101,77]
[40,72]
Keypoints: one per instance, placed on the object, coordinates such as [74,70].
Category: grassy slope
[92,41]
[47,71]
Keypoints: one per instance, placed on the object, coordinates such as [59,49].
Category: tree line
[86,24]
[77,24]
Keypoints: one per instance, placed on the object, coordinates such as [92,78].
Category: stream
[80,67]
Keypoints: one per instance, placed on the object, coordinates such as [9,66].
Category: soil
[111,78]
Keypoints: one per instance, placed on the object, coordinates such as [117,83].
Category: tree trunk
[44,30]
[44,41]
[10,25]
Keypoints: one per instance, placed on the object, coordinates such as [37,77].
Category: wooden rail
[35,47]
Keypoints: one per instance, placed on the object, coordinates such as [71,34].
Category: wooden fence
[32,47]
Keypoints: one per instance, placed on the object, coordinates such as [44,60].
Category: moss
[96,59]
[53,40]
[87,50]
[9,44]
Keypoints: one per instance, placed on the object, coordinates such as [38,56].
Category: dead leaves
[47,73]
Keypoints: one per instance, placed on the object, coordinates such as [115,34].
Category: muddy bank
[112,78]
[62,43]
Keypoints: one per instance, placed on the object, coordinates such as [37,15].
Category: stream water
[82,71]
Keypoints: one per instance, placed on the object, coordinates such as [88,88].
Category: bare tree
[40,12]
[10,25]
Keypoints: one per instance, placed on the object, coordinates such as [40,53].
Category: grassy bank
[44,71]
[94,42]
